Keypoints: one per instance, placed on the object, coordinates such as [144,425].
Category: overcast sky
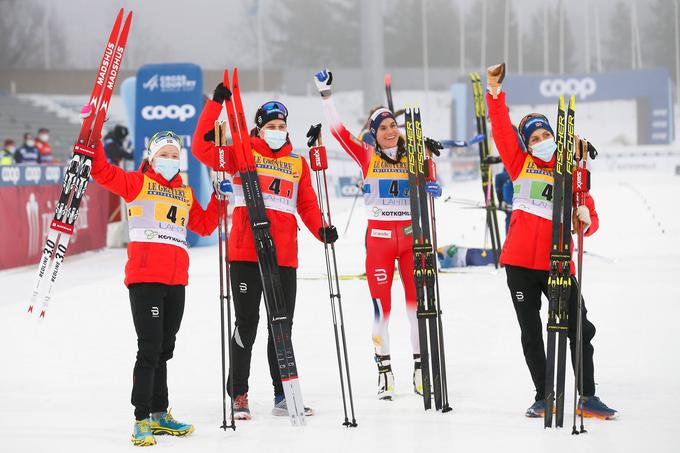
[215,33]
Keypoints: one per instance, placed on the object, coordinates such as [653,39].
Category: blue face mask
[275,139]
[544,150]
[167,168]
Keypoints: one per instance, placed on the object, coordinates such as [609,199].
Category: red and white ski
[77,175]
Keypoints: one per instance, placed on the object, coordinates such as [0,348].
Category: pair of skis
[77,175]
[277,314]
[485,168]
[425,267]
[559,277]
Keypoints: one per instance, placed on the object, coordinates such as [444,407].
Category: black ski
[425,270]
[559,279]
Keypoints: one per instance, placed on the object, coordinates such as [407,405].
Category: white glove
[323,80]
[222,187]
[582,214]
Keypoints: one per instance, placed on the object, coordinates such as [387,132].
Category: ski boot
[417,375]
[164,423]
[241,408]
[592,406]
[281,407]
[537,410]
[385,378]
[141,433]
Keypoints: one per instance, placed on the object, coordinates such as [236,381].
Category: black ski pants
[246,287]
[157,311]
[526,287]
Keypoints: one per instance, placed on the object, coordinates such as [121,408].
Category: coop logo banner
[168,97]
[31,175]
[173,112]
[581,88]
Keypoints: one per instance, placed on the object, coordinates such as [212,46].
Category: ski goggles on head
[272,110]
[161,139]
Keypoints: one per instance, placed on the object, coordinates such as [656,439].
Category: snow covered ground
[65,382]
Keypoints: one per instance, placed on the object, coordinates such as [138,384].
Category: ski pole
[223,247]
[319,163]
[582,185]
[431,173]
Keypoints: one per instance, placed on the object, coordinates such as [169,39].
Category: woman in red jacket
[160,210]
[388,237]
[526,252]
[285,181]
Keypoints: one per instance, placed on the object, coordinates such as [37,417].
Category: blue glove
[323,80]
[434,189]
[222,188]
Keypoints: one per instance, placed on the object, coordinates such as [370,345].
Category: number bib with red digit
[160,214]
[533,190]
[279,181]
[386,190]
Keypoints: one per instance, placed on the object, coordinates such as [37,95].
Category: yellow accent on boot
[168,425]
[141,434]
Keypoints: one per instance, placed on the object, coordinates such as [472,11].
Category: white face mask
[30,142]
[275,139]
[544,150]
[43,137]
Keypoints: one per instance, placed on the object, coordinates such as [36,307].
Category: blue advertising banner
[650,88]
[347,186]
[31,175]
[170,97]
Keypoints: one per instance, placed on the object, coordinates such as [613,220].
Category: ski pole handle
[220,141]
[318,158]
[431,172]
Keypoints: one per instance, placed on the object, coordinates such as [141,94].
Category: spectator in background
[27,153]
[117,145]
[7,152]
[44,148]
[504,192]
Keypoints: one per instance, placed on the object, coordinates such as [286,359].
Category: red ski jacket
[530,236]
[283,225]
[150,262]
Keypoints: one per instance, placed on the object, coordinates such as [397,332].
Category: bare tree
[24,39]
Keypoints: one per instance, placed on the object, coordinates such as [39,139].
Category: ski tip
[128,21]
[388,79]
[562,102]
[572,102]
[225,78]
[235,77]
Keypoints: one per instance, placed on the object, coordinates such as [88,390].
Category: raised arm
[114,178]
[357,149]
[205,150]
[504,135]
